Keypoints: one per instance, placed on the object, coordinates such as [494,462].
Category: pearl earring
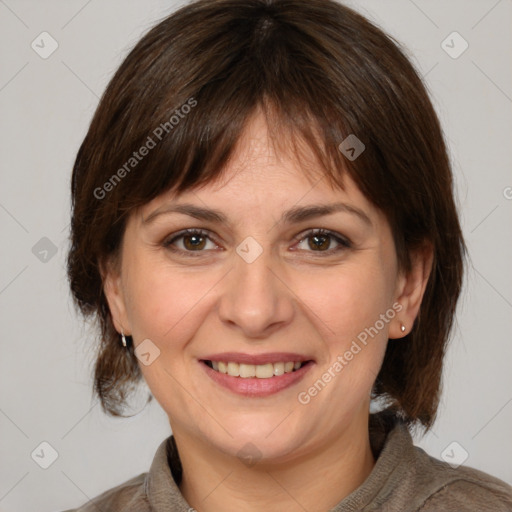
[402,327]
[123,339]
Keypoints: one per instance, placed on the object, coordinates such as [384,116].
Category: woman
[264,225]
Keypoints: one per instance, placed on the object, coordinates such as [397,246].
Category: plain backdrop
[46,357]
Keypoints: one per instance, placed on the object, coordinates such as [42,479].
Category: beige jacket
[404,479]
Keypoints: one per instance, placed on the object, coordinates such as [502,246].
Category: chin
[269,441]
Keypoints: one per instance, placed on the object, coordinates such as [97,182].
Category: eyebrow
[292,216]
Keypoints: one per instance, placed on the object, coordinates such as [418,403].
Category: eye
[320,240]
[196,240]
[192,240]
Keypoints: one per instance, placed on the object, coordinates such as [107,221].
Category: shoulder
[462,489]
[406,477]
[128,496]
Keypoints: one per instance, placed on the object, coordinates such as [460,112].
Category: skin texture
[292,298]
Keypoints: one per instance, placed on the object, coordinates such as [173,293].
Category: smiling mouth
[259,371]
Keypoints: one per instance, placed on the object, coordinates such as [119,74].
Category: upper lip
[271,357]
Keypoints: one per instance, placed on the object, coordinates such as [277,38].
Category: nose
[256,299]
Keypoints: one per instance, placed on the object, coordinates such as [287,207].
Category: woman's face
[260,284]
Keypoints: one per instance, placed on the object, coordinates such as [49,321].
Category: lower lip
[254,387]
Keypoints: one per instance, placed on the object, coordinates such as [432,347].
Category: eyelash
[344,242]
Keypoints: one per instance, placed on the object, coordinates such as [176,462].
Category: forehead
[265,171]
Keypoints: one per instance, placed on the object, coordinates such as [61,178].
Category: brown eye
[320,240]
[192,240]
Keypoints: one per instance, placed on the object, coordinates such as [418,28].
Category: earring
[402,327]
[123,339]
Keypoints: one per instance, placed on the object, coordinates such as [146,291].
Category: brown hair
[321,72]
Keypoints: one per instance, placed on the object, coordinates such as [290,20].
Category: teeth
[265,371]
[246,370]
[278,368]
[233,369]
[261,371]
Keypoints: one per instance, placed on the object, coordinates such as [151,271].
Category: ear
[113,289]
[411,287]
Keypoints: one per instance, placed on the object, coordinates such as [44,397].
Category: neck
[315,482]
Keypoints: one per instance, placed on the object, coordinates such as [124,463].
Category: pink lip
[255,387]
[271,357]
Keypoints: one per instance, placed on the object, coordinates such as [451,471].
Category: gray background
[45,362]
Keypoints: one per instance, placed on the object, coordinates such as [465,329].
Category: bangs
[195,161]
[192,149]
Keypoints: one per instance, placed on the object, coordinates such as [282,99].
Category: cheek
[349,307]
[347,301]
[168,306]
[165,303]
